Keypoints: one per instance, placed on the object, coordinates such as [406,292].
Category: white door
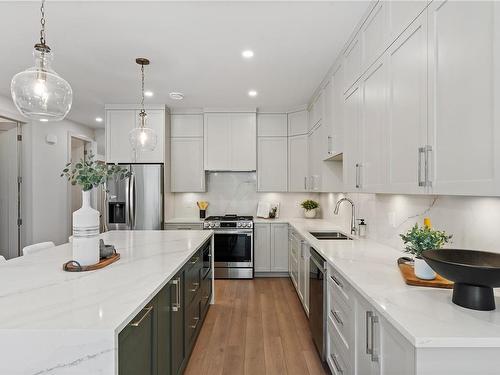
[297,163]
[351,155]
[464,111]
[187,173]
[373,133]
[272,125]
[315,157]
[186,125]
[155,121]
[406,62]
[217,141]
[279,247]
[297,123]
[397,355]
[119,123]
[272,165]
[243,142]
[262,247]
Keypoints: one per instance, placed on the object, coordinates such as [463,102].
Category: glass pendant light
[142,138]
[39,93]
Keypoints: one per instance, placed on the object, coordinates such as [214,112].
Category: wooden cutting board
[408,273]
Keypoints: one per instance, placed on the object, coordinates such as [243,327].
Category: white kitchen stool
[35,248]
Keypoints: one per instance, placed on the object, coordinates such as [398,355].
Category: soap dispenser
[362,228]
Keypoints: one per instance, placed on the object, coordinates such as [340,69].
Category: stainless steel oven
[233,246]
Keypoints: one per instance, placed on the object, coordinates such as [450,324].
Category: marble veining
[56,322]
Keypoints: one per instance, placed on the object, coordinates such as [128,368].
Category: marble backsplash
[236,192]
[473,221]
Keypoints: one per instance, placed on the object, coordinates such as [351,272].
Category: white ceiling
[194,48]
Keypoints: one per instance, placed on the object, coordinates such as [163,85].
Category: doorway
[79,148]
[10,188]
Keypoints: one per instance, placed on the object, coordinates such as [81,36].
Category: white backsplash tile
[473,221]
[236,192]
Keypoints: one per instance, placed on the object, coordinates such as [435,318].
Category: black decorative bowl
[475,274]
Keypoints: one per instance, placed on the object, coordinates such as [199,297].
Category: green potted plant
[88,174]
[419,239]
[309,207]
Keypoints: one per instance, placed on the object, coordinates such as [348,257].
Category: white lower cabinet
[359,340]
[271,247]
[299,256]
[187,172]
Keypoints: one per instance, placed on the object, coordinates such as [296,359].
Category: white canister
[423,270]
[86,233]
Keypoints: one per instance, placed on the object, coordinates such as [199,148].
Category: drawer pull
[177,305]
[336,281]
[336,364]
[195,260]
[337,317]
[196,287]
[197,320]
[147,312]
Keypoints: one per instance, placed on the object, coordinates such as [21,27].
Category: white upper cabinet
[298,123]
[400,14]
[316,111]
[406,62]
[464,110]
[119,122]
[186,158]
[372,171]
[272,168]
[374,34]
[272,125]
[298,163]
[333,127]
[230,141]
[352,62]
[351,155]
[315,143]
[189,125]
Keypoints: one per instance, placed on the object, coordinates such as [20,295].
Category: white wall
[473,221]
[235,193]
[100,138]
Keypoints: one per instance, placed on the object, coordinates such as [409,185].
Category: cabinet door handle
[369,327]
[196,287]
[147,311]
[374,319]
[177,304]
[337,317]
[358,175]
[336,364]
[305,183]
[336,281]
[197,320]
[428,181]
[421,152]
[195,260]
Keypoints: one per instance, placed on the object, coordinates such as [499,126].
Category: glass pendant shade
[39,93]
[143,138]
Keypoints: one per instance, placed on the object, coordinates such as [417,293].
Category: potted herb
[88,174]
[309,207]
[419,239]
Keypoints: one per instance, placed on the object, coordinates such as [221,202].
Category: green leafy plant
[88,173]
[309,205]
[418,239]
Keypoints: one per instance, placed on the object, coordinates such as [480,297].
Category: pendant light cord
[42,23]
[143,111]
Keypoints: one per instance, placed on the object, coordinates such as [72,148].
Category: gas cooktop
[229,218]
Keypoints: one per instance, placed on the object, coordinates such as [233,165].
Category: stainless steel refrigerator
[136,202]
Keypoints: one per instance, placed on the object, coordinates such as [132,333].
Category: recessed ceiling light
[98,119]
[148,93]
[252,93]
[44,120]
[176,95]
[247,54]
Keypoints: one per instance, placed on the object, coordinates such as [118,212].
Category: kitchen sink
[330,236]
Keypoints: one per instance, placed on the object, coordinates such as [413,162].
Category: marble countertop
[425,316]
[58,322]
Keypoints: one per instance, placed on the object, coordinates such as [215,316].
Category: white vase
[310,214]
[86,233]
[423,270]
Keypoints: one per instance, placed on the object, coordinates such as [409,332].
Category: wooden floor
[256,327]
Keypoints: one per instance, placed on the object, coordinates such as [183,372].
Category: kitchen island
[56,322]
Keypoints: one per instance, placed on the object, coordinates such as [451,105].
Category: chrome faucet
[353,212]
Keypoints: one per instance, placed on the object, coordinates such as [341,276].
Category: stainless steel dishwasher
[317,301]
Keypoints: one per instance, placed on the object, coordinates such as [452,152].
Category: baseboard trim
[271,274]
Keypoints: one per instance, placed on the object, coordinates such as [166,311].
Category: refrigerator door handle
[132,202]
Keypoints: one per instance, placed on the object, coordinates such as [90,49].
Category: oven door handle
[247,232]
